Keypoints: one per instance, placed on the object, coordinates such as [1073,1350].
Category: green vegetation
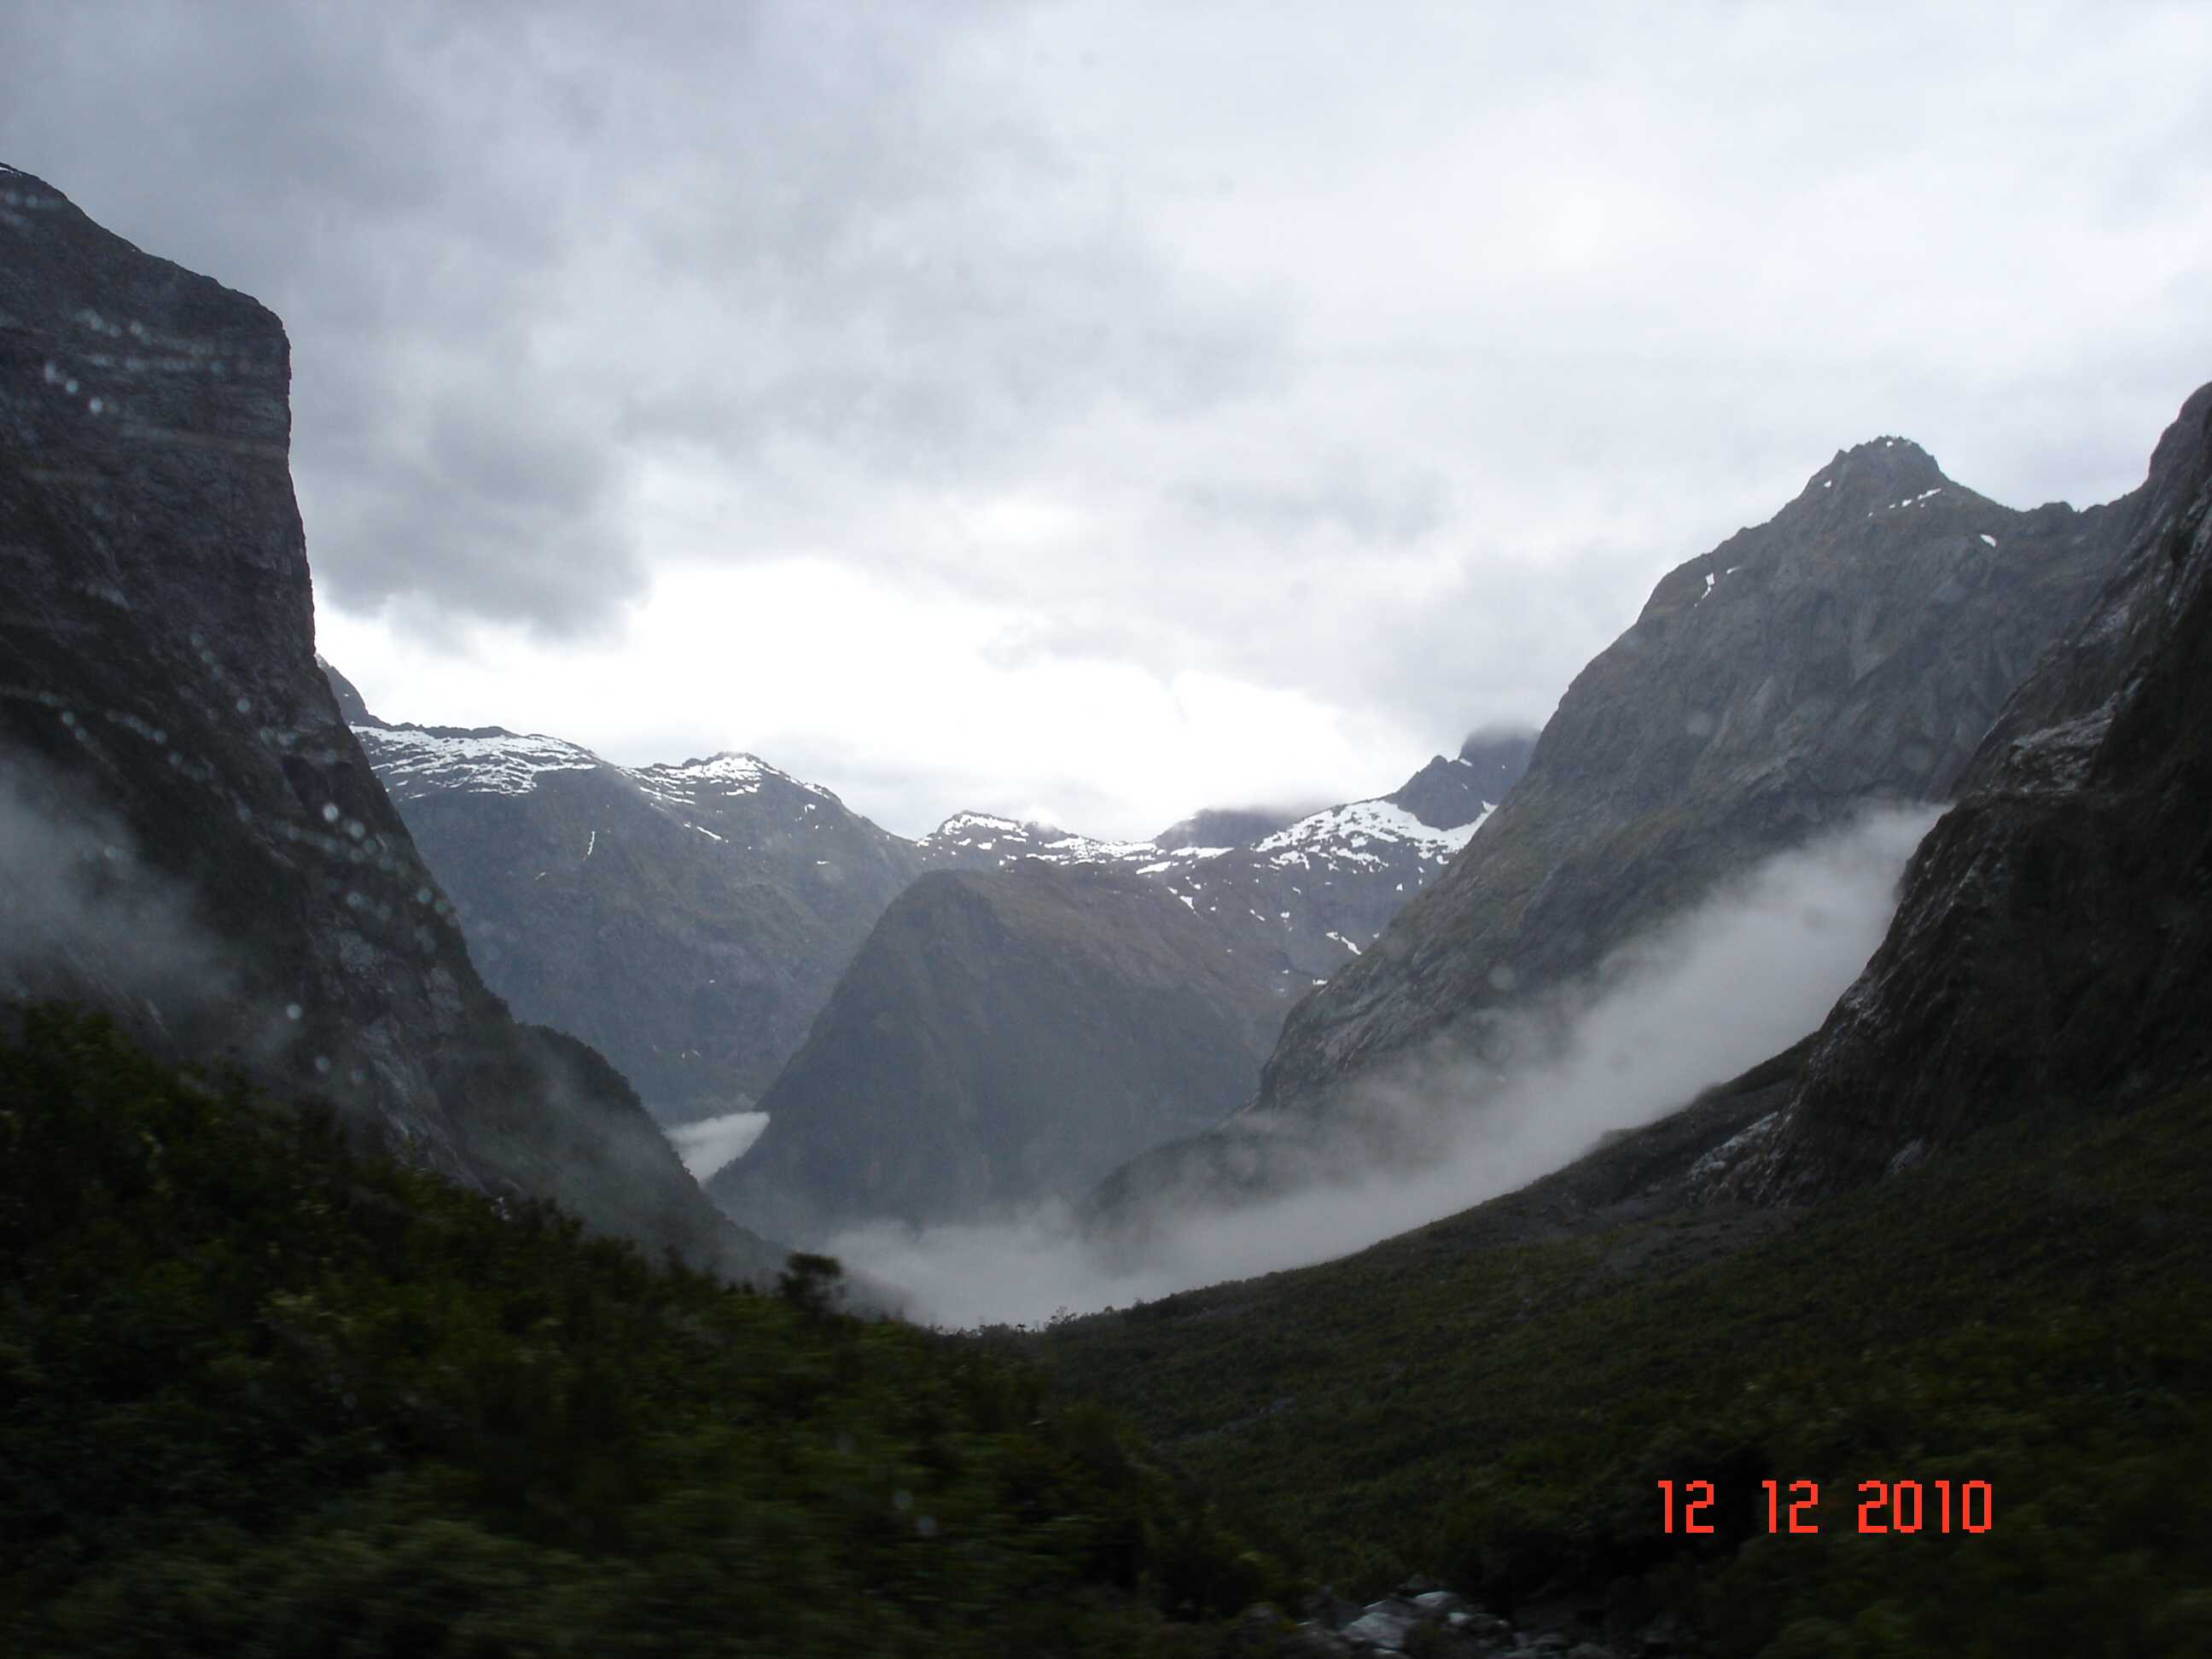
[260,1395]
[2028,1310]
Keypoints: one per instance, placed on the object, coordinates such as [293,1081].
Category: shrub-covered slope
[260,1395]
[1494,1397]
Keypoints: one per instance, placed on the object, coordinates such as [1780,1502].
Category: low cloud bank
[706,1145]
[81,917]
[1700,999]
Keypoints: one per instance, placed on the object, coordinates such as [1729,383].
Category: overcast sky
[1098,410]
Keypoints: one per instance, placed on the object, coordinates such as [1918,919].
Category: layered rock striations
[2053,944]
[218,865]
[1003,1036]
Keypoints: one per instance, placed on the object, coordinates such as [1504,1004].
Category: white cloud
[711,1142]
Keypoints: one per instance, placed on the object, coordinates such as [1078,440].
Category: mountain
[1853,649]
[687,920]
[193,837]
[2054,939]
[1307,894]
[1224,826]
[1004,1035]
[691,920]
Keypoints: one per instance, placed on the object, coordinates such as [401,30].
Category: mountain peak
[1883,472]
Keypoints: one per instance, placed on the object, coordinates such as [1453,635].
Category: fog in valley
[1721,988]
[707,1145]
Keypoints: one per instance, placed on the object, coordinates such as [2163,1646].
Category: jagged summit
[1449,792]
[351,704]
[1883,473]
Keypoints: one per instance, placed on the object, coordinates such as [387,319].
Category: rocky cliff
[2053,943]
[216,862]
[1855,647]
[1004,1036]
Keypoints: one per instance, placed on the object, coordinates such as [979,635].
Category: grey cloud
[1345,500]
[1393,375]
[518,248]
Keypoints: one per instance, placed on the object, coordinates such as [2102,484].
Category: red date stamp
[1885,1506]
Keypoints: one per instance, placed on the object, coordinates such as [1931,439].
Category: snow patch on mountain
[1342,836]
[413,762]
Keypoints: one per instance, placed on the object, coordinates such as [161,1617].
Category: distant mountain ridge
[1014,1029]
[691,920]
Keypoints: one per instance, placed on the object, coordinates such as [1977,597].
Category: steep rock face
[1002,1036]
[220,867]
[688,920]
[1497,755]
[1855,647]
[2054,940]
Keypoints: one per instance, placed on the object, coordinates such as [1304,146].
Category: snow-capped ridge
[1342,835]
[418,760]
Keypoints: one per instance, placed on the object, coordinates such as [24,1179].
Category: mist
[1746,973]
[81,917]
[711,1142]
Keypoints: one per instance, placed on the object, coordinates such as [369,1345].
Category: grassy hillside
[2029,1311]
[261,1396]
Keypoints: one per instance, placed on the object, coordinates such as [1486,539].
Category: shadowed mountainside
[1852,650]
[1004,1036]
[196,840]
[2054,939]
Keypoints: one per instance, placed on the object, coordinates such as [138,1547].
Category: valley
[1320,1232]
